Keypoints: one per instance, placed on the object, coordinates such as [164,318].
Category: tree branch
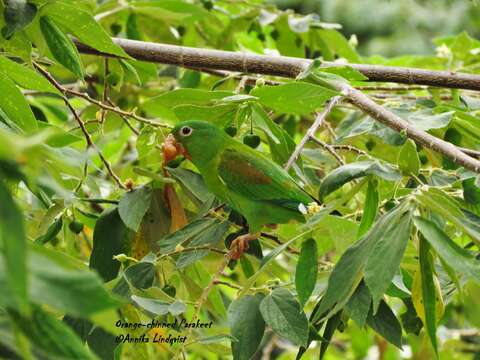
[279,65]
[291,67]
[312,130]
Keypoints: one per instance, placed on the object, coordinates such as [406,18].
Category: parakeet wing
[256,177]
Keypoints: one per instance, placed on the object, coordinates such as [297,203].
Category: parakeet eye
[186,131]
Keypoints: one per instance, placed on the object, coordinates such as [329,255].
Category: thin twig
[116,109]
[329,148]
[86,134]
[312,130]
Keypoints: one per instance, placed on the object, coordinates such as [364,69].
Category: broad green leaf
[441,203]
[280,142]
[62,283]
[349,172]
[220,115]
[471,192]
[140,275]
[13,243]
[283,314]
[61,47]
[17,14]
[359,305]
[53,338]
[330,327]
[408,161]
[293,97]
[186,96]
[425,119]
[14,105]
[246,325]
[110,237]
[102,343]
[192,182]
[189,232]
[429,294]
[338,44]
[212,236]
[306,272]
[83,26]
[133,206]
[385,257]
[369,209]
[386,324]
[25,77]
[158,307]
[455,256]
[349,270]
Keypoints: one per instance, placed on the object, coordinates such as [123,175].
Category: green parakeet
[245,179]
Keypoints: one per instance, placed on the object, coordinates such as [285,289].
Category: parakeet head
[197,140]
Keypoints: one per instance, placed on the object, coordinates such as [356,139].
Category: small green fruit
[115,28]
[76,226]
[169,290]
[231,130]
[251,140]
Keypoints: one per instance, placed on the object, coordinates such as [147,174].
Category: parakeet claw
[240,245]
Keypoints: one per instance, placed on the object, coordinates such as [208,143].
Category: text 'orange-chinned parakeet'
[243,178]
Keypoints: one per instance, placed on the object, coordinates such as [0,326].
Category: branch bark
[279,65]
[291,67]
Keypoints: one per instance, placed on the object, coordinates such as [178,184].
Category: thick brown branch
[291,67]
[280,65]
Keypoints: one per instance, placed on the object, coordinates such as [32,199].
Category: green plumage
[243,178]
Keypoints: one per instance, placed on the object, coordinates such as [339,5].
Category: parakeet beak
[171,148]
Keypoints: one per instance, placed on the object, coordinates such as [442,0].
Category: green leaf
[359,305]
[110,237]
[282,312]
[294,97]
[192,182]
[471,192]
[337,43]
[13,243]
[332,324]
[408,160]
[25,77]
[246,325]
[82,25]
[54,338]
[369,209]
[349,172]
[158,307]
[385,257]
[141,275]
[440,202]
[348,271]
[61,47]
[306,272]
[220,115]
[186,96]
[428,292]
[191,231]
[280,142]
[14,105]
[455,256]
[51,232]
[65,284]
[425,119]
[385,323]
[102,343]
[212,235]
[134,205]
[17,14]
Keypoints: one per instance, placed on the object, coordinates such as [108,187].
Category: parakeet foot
[240,244]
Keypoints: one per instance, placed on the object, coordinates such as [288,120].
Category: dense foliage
[97,230]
